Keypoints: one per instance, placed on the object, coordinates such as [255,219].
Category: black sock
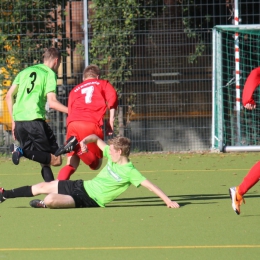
[47,174]
[38,156]
[25,191]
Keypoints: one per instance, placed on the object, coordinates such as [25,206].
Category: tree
[26,29]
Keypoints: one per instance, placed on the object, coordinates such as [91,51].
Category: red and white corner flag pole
[237,76]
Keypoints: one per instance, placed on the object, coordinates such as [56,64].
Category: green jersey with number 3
[34,83]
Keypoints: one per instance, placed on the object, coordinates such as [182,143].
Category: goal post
[235,53]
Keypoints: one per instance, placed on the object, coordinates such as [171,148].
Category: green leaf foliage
[26,29]
[114,25]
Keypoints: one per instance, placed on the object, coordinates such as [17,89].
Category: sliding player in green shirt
[118,174]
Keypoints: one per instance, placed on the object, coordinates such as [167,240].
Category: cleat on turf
[37,204]
[68,146]
[17,153]
[2,198]
[236,199]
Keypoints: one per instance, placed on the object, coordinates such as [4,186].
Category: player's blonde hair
[121,143]
[91,71]
[51,54]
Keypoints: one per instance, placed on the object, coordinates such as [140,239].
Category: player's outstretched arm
[55,104]
[9,98]
[150,186]
[110,123]
[92,139]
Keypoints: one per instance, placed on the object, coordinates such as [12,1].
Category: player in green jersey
[26,99]
[118,174]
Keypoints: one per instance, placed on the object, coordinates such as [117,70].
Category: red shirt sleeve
[110,96]
[252,82]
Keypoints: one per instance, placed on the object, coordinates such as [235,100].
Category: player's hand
[109,128]
[250,106]
[83,147]
[173,204]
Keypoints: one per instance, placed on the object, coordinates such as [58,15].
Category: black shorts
[76,190]
[35,135]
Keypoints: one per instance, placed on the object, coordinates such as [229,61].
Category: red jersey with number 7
[89,101]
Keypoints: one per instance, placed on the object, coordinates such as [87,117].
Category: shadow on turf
[141,202]
[179,198]
[155,201]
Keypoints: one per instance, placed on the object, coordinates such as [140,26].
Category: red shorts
[81,129]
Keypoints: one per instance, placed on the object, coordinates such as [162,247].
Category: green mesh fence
[234,125]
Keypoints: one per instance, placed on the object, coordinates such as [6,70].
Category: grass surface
[138,225]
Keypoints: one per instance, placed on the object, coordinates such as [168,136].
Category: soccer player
[87,105]
[26,100]
[237,193]
[118,174]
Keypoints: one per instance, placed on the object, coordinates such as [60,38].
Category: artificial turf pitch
[138,225]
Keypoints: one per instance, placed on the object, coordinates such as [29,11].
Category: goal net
[236,52]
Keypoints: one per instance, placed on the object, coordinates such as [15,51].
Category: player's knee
[97,165]
[56,161]
[49,201]
[39,188]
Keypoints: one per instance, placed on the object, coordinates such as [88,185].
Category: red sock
[250,179]
[66,172]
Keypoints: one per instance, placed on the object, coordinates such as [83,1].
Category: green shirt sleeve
[51,83]
[136,178]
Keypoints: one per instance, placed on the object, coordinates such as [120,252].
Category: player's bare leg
[55,201]
[45,188]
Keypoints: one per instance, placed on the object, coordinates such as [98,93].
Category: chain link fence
[166,100]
